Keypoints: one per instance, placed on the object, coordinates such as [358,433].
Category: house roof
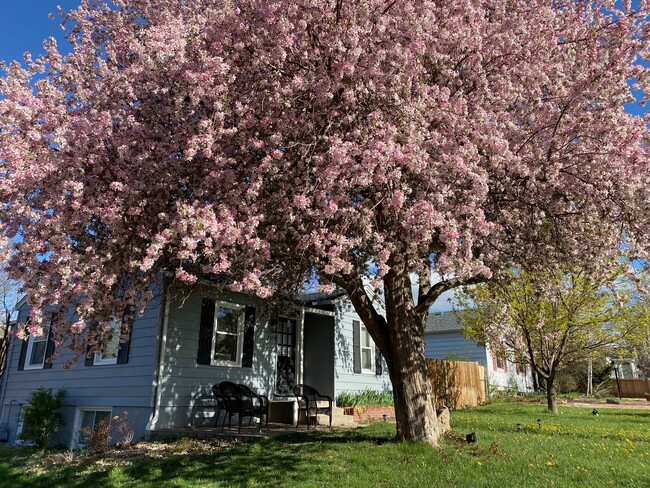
[315,299]
[442,322]
[318,299]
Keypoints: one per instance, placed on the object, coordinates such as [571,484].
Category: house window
[20,426]
[87,420]
[36,347]
[500,363]
[228,334]
[112,346]
[367,351]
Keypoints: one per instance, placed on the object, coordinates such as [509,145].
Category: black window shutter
[123,350]
[23,354]
[23,351]
[249,338]
[378,370]
[356,345]
[90,357]
[49,347]
[205,332]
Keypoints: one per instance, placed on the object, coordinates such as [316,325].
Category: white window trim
[372,369]
[100,360]
[501,369]
[20,426]
[30,348]
[240,334]
[74,442]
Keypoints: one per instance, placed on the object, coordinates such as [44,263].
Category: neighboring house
[626,368]
[443,339]
[184,343]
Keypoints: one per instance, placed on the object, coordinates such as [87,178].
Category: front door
[286,356]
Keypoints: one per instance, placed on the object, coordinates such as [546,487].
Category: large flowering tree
[275,141]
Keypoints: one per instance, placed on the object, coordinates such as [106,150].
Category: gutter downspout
[162,344]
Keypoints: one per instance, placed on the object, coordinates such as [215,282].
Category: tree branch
[374,322]
[442,286]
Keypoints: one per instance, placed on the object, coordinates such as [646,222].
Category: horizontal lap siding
[502,380]
[183,380]
[122,386]
[345,377]
[453,346]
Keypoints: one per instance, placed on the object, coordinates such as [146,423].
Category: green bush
[365,398]
[42,417]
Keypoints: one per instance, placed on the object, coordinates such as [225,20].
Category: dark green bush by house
[42,417]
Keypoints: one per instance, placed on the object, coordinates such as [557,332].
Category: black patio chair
[259,404]
[308,401]
[220,405]
[237,402]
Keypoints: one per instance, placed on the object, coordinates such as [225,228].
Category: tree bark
[551,400]
[400,338]
[536,385]
[414,407]
[414,401]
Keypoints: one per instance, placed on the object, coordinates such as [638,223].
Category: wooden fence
[457,384]
[631,388]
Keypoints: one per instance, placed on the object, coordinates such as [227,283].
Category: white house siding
[182,380]
[345,378]
[124,387]
[508,379]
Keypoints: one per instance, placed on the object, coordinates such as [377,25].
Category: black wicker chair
[259,404]
[221,405]
[237,400]
[311,402]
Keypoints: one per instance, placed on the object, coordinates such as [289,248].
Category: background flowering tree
[548,319]
[280,140]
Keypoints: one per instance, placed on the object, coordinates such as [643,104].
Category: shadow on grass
[294,458]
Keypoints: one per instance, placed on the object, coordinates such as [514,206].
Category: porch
[203,432]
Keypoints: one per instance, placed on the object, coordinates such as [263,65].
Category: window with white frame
[36,348]
[111,346]
[228,334]
[367,351]
[87,420]
[20,426]
[500,363]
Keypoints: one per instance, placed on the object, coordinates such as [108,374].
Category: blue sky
[24,24]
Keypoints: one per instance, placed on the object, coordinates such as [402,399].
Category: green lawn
[574,448]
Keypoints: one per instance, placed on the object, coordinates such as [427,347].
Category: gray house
[444,339]
[183,344]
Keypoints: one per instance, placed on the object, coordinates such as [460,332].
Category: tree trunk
[536,385]
[399,335]
[551,401]
[414,401]
[414,407]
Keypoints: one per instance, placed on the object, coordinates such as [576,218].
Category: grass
[573,449]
